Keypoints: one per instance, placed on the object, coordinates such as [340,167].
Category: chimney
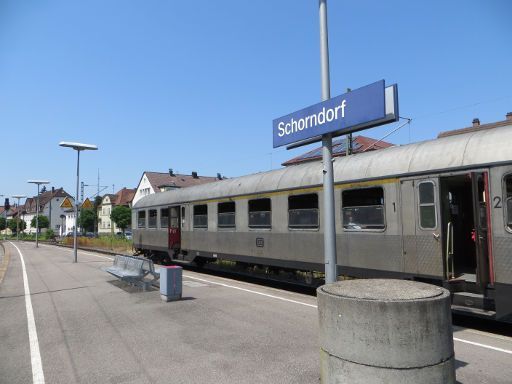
[476,122]
[194,175]
[219,176]
[171,173]
[509,116]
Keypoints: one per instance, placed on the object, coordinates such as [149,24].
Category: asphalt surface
[91,328]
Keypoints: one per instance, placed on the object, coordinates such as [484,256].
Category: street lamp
[38,182]
[18,218]
[77,147]
[5,213]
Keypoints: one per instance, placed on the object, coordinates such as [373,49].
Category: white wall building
[123,197]
[50,206]
[155,182]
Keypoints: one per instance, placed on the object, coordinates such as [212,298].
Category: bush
[49,234]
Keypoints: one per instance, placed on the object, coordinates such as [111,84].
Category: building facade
[50,206]
[123,197]
[156,182]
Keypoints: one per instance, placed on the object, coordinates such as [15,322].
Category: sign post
[329,223]
[366,107]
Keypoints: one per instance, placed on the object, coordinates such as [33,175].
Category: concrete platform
[93,329]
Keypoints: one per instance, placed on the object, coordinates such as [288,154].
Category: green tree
[86,220]
[122,216]
[43,222]
[2,223]
[11,224]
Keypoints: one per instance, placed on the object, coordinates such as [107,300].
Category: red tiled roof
[125,196]
[161,179]
[359,144]
[44,198]
[477,127]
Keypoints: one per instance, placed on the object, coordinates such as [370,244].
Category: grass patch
[108,243]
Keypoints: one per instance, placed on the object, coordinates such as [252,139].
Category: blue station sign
[359,109]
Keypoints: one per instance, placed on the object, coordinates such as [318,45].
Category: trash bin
[170,283]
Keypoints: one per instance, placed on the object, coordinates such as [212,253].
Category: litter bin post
[385,331]
[170,283]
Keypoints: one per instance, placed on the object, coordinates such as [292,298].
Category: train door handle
[436,236]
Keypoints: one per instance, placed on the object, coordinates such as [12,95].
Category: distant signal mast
[99,188]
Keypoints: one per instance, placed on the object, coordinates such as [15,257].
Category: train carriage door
[465,217]
[421,237]
[174,228]
[481,234]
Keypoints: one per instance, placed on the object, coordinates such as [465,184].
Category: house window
[508,201]
[164,217]
[260,213]
[201,216]
[152,218]
[363,209]
[141,219]
[427,205]
[226,215]
[303,211]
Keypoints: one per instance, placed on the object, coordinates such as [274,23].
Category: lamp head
[78,146]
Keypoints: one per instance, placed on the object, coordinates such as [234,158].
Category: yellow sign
[87,204]
[66,203]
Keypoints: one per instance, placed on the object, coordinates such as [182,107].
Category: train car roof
[453,152]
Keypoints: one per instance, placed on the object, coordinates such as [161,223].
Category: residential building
[155,182]
[339,148]
[49,206]
[108,202]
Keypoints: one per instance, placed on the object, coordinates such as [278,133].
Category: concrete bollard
[171,283]
[385,331]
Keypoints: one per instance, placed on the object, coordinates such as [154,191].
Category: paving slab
[93,328]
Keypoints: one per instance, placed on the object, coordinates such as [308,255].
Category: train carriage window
[175,211]
[427,205]
[303,211]
[201,216]
[363,209]
[164,217]
[226,215]
[152,218]
[260,213]
[508,201]
[141,219]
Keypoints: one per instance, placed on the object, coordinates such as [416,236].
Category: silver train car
[438,211]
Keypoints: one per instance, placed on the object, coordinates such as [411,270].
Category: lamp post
[18,218]
[5,213]
[77,147]
[38,182]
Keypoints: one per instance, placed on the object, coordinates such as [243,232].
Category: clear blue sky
[194,85]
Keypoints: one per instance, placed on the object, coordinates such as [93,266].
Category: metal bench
[134,270]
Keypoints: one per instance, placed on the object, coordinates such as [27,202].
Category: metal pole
[37,217]
[75,247]
[5,229]
[329,210]
[18,222]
